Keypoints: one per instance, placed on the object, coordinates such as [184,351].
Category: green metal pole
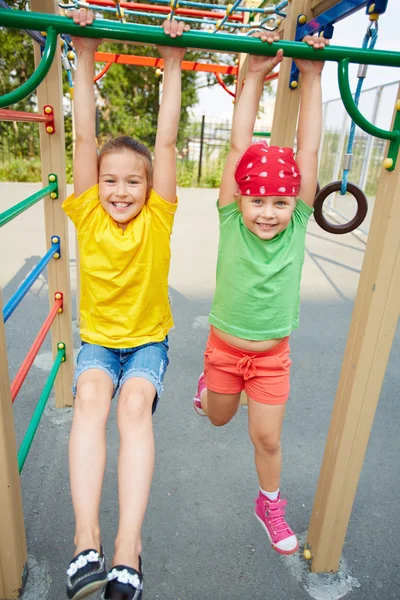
[37,415]
[348,101]
[224,42]
[39,74]
[10,214]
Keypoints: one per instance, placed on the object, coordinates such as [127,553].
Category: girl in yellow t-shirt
[123,210]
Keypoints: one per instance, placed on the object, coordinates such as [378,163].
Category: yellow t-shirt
[124,274]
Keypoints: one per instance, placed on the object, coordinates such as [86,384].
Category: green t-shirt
[257,295]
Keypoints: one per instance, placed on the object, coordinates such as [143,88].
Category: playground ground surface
[201,541]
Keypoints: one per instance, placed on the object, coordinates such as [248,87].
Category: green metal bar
[355,114]
[40,73]
[261,133]
[41,405]
[225,42]
[14,211]
[394,146]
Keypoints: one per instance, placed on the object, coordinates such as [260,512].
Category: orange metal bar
[23,117]
[223,84]
[103,71]
[30,357]
[188,12]
[150,61]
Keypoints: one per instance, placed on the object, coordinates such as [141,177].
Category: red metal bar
[149,61]
[30,357]
[103,71]
[23,117]
[223,84]
[270,77]
[188,12]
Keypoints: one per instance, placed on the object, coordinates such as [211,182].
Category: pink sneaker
[271,514]
[201,385]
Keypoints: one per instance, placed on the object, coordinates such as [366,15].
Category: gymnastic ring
[362,208]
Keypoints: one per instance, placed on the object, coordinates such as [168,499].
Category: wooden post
[13,552]
[53,161]
[372,329]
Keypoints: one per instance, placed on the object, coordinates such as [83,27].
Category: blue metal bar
[340,11]
[30,280]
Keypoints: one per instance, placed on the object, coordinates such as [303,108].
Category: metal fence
[202,156]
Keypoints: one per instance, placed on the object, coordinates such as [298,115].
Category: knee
[266,443]
[219,421]
[92,399]
[134,406]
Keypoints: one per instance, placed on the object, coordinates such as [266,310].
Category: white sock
[270,495]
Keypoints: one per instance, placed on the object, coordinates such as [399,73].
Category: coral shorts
[264,376]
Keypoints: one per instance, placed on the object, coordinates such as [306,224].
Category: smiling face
[123,185]
[266,216]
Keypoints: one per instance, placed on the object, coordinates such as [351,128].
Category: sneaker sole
[285,552]
[89,589]
[199,410]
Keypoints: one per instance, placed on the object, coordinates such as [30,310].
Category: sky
[349,32]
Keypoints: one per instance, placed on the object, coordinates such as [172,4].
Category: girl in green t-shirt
[263,224]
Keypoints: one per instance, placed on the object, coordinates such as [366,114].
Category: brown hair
[125,142]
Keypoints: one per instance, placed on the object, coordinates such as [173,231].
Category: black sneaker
[86,574]
[124,583]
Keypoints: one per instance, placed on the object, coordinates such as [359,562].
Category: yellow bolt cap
[54,241]
[388,163]
[293,84]
[398,105]
[307,554]
[49,129]
[302,19]
[52,177]
[56,255]
[53,195]
[57,296]
[278,22]
[61,345]
[371,8]
[373,17]
[48,110]
[71,55]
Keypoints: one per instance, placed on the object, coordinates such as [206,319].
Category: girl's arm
[310,121]
[245,115]
[164,175]
[85,155]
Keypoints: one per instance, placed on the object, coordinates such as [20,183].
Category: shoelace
[246,367]
[275,512]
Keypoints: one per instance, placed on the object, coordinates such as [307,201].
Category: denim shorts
[149,361]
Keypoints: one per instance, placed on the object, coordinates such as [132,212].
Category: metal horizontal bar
[24,117]
[150,61]
[28,282]
[14,211]
[336,13]
[151,34]
[37,415]
[189,12]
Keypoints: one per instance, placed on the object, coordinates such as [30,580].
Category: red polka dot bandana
[268,171]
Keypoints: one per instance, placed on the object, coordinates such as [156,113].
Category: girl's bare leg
[219,408]
[265,426]
[87,454]
[135,467]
